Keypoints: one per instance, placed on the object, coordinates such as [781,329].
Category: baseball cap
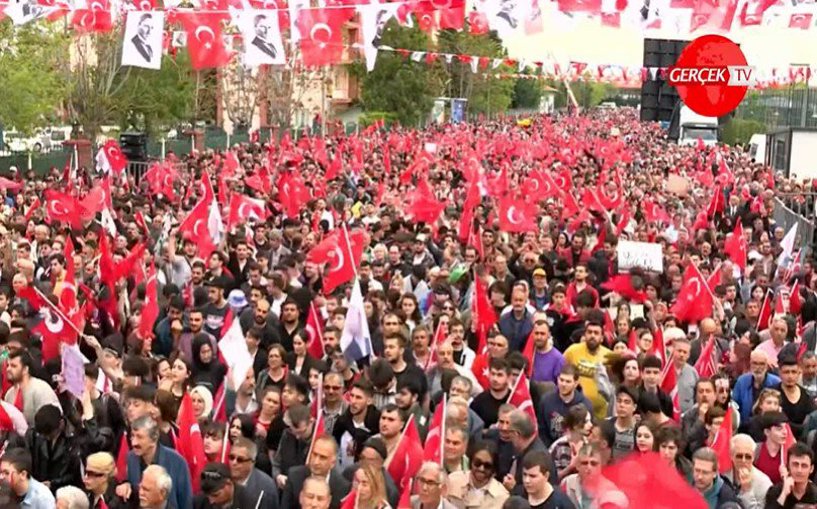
[540,272]
[214,477]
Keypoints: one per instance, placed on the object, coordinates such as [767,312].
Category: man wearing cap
[768,453]
[539,296]
[218,491]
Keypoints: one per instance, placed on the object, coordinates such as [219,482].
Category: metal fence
[786,217]
[794,106]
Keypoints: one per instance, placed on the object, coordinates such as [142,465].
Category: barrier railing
[786,217]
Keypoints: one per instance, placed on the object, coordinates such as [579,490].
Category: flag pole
[349,249]
[226,439]
[442,430]
[57,310]
[260,497]
[402,435]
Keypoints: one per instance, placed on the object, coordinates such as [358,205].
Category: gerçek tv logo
[712,75]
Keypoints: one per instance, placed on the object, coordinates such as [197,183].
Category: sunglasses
[485,465]
[744,456]
[91,473]
[239,459]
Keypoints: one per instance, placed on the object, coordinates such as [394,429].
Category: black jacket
[338,487]
[344,424]
[291,452]
[57,462]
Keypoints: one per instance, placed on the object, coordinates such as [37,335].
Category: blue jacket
[181,494]
[551,413]
[742,393]
[517,331]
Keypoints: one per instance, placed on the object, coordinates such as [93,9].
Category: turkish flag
[715,14]
[423,206]
[590,6]
[520,398]
[644,480]
[314,329]
[722,442]
[735,246]
[694,301]
[452,13]
[160,177]
[122,458]
[484,314]
[433,449]
[611,199]
[654,212]
[97,200]
[62,207]
[716,204]
[341,255]
[96,18]
[795,302]
[243,207]
[195,226]
[110,158]
[516,216]
[407,457]
[477,23]
[205,40]
[801,20]
[190,444]
[784,449]
[622,284]
[150,311]
[292,193]
[705,366]
[322,35]
[765,313]
[529,353]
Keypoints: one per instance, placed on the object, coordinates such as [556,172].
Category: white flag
[373,19]
[142,44]
[262,38]
[233,347]
[788,246]
[356,342]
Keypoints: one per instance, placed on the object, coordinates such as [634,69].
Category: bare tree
[241,91]
[95,78]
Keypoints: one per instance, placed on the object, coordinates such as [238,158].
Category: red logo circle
[711,99]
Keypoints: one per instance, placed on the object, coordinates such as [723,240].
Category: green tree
[94,81]
[32,88]
[486,92]
[402,88]
[527,93]
[150,100]
[589,93]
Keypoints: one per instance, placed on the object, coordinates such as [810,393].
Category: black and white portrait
[262,38]
[143,39]
[373,19]
[25,11]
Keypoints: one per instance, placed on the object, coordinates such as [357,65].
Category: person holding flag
[796,489]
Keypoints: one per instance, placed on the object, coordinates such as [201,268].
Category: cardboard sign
[646,255]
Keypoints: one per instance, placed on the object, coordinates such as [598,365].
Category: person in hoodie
[555,406]
[716,490]
[208,371]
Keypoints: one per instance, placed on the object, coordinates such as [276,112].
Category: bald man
[748,386]
[315,494]
[323,465]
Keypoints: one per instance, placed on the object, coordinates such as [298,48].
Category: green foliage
[152,100]
[740,130]
[486,93]
[404,89]
[32,89]
[370,117]
[589,94]
[527,93]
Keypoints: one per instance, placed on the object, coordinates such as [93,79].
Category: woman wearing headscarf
[207,370]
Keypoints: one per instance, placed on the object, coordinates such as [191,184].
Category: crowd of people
[596,344]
